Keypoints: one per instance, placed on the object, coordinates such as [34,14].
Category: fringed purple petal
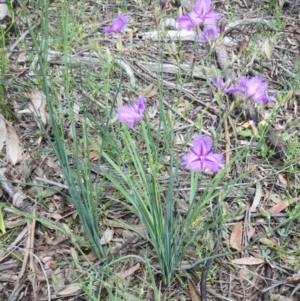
[118,25]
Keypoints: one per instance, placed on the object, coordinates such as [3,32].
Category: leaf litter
[13,146]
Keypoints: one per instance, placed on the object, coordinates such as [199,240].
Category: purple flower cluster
[202,13]
[254,88]
[201,156]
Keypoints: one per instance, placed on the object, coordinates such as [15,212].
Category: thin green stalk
[78,189]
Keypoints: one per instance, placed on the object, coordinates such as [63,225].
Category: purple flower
[251,123]
[118,25]
[131,113]
[205,13]
[188,21]
[221,85]
[255,89]
[162,4]
[201,156]
[280,127]
[202,13]
[209,33]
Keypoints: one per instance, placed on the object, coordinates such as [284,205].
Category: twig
[295,289]
[8,266]
[184,265]
[18,198]
[52,182]
[212,292]
[227,140]
[56,57]
[76,60]
[187,35]
[19,240]
[15,44]
[258,214]
[199,72]
[31,234]
[15,294]
[128,70]
[238,23]
[41,265]
[26,255]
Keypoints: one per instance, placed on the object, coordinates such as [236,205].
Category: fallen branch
[189,35]
[179,35]
[55,57]
[199,72]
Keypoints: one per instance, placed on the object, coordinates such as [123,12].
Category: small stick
[26,256]
[14,45]
[52,183]
[15,294]
[32,265]
[18,198]
[227,140]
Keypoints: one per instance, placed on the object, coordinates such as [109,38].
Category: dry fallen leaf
[92,257]
[236,236]
[13,148]
[94,155]
[119,100]
[128,272]
[3,132]
[148,89]
[282,180]
[37,106]
[194,294]
[152,92]
[107,236]
[283,204]
[267,195]
[268,242]
[275,198]
[251,232]
[70,290]
[248,261]
[280,298]
[38,100]
[257,198]
[268,49]
[9,135]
